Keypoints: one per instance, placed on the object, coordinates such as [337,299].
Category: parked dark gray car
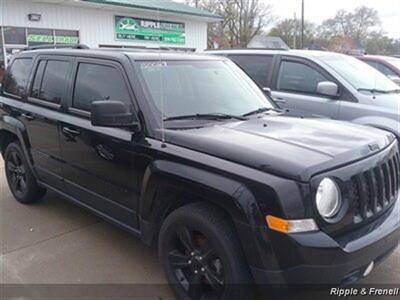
[324,83]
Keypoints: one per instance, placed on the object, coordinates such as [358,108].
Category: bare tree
[357,25]
[289,30]
[242,20]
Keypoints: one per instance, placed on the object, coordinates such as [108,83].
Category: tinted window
[98,82]
[14,36]
[37,82]
[54,79]
[298,77]
[385,70]
[18,76]
[257,66]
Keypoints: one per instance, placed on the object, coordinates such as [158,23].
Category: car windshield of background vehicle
[182,88]
[359,74]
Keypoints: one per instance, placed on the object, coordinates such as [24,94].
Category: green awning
[160,5]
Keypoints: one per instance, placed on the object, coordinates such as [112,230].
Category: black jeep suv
[187,152]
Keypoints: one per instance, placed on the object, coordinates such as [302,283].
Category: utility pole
[295,32]
[196,3]
[302,24]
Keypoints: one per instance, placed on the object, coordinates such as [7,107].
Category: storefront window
[14,36]
[37,37]
[67,37]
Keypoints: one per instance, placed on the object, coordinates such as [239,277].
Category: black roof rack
[63,46]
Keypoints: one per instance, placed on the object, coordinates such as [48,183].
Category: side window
[298,77]
[37,82]
[98,82]
[18,76]
[372,64]
[257,66]
[54,80]
[385,70]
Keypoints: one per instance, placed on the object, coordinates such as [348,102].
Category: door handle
[71,131]
[28,116]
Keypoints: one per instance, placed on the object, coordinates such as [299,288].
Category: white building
[101,23]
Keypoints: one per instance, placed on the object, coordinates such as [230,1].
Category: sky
[318,10]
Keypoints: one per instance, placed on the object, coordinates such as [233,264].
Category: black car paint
[125,176]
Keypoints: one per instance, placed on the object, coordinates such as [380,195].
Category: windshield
[359,74]
[182,88]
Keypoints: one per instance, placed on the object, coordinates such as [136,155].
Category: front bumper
[322,260]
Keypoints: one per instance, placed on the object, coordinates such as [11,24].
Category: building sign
[67,40]
[127,28]
[37,37]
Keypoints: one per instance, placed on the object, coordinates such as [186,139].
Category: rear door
[41,115]
[295,87]
[100,166]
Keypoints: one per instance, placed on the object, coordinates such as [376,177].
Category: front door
[295,88]
[100,166]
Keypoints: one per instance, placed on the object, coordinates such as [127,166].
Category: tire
[197,244]
[21,181]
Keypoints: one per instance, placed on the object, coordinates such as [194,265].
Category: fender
[224,192]
[232,196]
[16,127]
[387,124]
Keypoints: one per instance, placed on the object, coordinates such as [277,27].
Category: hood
[289,147]
[390,101]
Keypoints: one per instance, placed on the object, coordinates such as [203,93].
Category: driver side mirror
[328,88]
[111,113]
[267,91]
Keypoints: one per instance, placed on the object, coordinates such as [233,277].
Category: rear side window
[54,80]
[257,66]
[17,77]
[96,82]
[50,81]
[298,77]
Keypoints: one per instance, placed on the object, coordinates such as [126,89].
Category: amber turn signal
[291,226]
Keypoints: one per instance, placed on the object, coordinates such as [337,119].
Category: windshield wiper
[210,116]
[261,110]
[373,91]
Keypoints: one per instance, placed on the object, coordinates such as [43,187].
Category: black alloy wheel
[16,174]
[22,182]
[202,256]
[196,264]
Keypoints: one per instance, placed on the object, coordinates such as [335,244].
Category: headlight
[328,198]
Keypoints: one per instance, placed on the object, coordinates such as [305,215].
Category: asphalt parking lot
[55,242]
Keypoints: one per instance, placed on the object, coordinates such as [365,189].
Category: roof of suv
[301,53]
[117,53]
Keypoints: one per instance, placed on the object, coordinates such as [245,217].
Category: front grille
[376,189]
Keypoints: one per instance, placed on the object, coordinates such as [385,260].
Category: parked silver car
[325,84]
